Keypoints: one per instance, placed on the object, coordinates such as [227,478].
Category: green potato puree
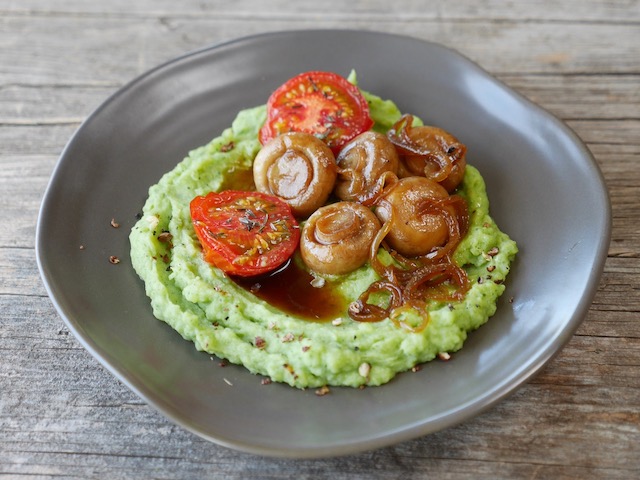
[220,317]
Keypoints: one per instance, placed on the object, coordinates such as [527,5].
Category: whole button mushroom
[365,166]
[416,229]
[297,167]
[429,152]
[337,238]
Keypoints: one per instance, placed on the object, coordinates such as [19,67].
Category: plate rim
[447,420]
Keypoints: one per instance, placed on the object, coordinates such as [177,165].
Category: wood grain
[64,415]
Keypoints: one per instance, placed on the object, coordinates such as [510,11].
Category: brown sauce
[289,289]
[240,179]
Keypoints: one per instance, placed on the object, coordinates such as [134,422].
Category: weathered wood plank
[593,11]
[117,49]
[23,181]
[579,97]
[45,105]
[19,273]
[35,139]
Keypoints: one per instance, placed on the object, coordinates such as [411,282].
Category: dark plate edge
[449,419]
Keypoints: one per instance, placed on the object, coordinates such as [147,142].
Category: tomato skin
[244,233]
[323,104]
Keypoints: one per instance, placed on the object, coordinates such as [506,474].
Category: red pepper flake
[306,348]
[114,260]
[289,337]
[165,237]
[265,381]
[227,147]
[290,370]
[322,391]
[493,252]
[259,342]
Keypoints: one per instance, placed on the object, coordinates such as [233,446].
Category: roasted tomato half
[320,103]
[244,233]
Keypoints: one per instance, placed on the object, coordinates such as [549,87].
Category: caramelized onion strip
[374,261]
[457,223]
[399,134]
[420,309]
[441,282]
[362,311]
[382,187]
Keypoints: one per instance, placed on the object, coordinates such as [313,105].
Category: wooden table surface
[63,414]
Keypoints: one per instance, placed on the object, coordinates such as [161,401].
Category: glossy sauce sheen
[241,179]
[289,289]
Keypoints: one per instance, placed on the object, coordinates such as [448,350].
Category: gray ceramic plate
[545,191]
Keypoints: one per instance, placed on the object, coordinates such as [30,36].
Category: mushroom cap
[337,238]
[362,164]
[298,168]
[413,231]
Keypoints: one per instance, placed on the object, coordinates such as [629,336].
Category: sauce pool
[289,289]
